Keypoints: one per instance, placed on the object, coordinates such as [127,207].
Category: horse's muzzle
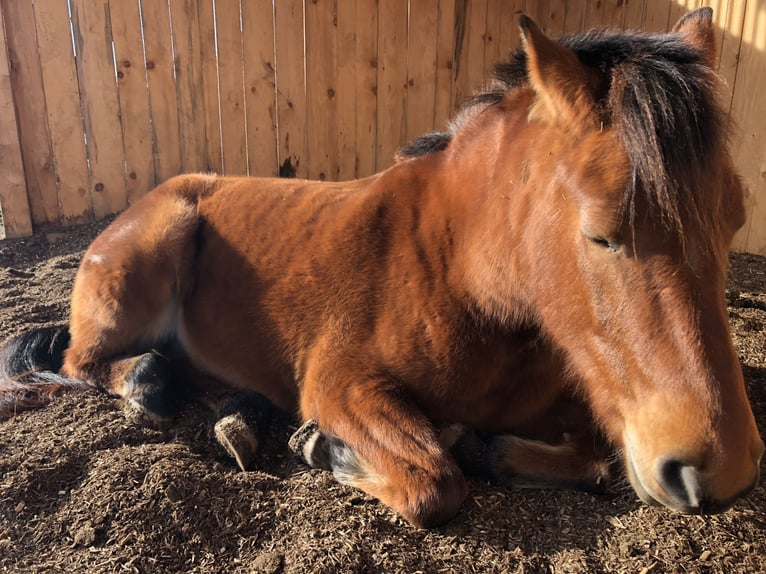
[682,487]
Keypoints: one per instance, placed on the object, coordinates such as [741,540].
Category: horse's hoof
[303,440]
[466,447]
[137,413]
[148,393]
[236,437]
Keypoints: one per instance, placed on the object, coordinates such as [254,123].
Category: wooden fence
[102,99]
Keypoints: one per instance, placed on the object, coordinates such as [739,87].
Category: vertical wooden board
[538,11]
[633,14]
[392,79]
[728,19]
[509,28]
[469,74]
[748,111]
[459,53]
[475,72]
[556,17]
[98,90]
[575,17]
[730,37]
[421,63]
[260,86]
[492,36]
[598,14]
[26,80]
[656,16]
[291,96]
[187,61]
[366,86]
[62,103]
[321,88]
[445,50]
[134,97]
[346,94]
[210,101]
[756,235]
[230,87]
[503,27]
[162,89]
[16,217]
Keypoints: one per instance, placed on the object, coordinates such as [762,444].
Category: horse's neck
[491,172]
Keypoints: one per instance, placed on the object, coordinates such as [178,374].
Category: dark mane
[660,96]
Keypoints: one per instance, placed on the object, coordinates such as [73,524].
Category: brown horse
[567,237]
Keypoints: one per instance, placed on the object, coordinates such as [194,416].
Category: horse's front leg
[575,461]
[371,436]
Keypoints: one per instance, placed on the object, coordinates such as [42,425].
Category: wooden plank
[474,72]
[211,108]
[291,100]
[538,11]
[98,90]
[509,28]
[445,50]
[162,89]
[492,37]
[633,14]
[187,61]
[747,108]
[346,94]
[366,86]
[27,83]
[421,81]
[756,234]
[556,17]
[134,98]
[575,17]
[321,88]
[656,16]
[260,87]
[392,79]
[14,205]
[730,36]
[598,14]
[230,87]
[62,103]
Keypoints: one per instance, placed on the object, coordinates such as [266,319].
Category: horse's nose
[682,482]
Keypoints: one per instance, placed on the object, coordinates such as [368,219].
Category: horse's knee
[435,499]
[425,494]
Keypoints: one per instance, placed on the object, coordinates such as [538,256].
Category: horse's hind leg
[126,298]
[241,417]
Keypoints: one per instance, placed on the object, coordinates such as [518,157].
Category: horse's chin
[638,486]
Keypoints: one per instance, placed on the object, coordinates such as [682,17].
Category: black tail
[29,367]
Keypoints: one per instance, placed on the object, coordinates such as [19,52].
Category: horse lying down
[547,272]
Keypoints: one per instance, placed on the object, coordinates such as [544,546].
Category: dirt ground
[84,490]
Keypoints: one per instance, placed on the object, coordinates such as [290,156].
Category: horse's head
[637,206]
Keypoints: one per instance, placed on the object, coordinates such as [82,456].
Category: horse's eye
[602,242]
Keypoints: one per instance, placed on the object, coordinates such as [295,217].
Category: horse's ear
[696,28]
[560,80]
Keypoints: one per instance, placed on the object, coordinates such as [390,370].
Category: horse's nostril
[681,482]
